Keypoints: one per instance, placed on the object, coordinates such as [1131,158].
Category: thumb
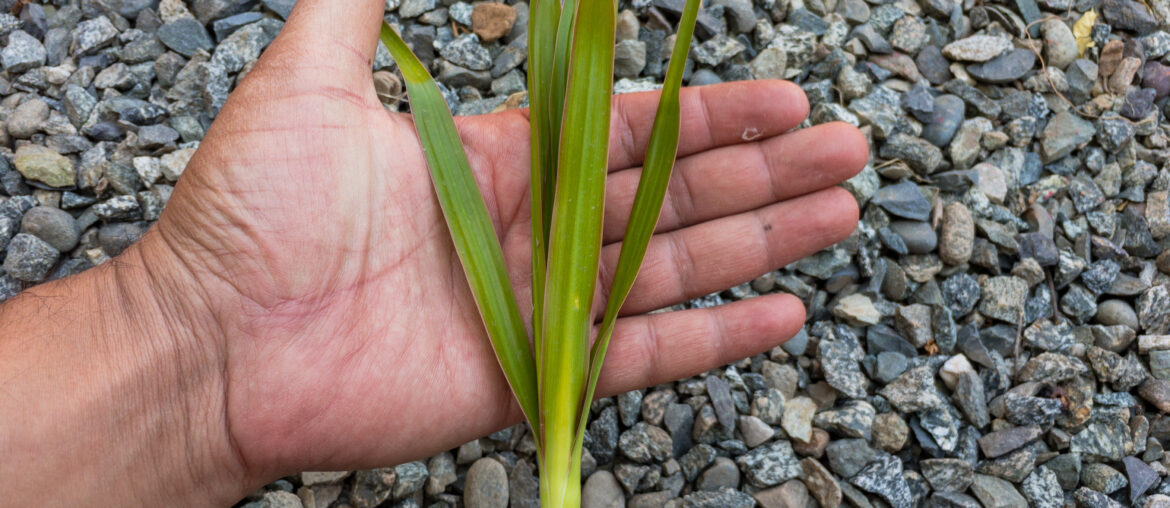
[332,36]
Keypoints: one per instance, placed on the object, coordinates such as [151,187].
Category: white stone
[953,369]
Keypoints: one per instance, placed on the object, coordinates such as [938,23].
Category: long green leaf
[575,243]
[471,229]
[656,168]
[542,34]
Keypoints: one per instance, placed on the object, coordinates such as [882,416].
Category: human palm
[350,338]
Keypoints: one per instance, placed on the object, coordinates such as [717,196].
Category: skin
[299,305]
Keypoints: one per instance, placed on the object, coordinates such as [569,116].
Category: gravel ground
[995,333]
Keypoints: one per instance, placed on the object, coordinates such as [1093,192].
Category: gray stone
[602,490]
[29,258]
[884,478]
[722,474]
[1002,442]
[996,493]
[977,48]
[466,51]
[1003,298]
[769,465]
[1060,46]
[629,58]
[730,498]
[1063,134]
[1153,309]
[283,8]
[904,200]
[913,391]
[840,352]
[185,36]
[1040,489]
[948,475]
[1005,68]
[770,63]
[854,418]
[92,34]
[716,50]
[23,52]
[1141,477]
[1129,15]
[1103,478]
[486,485]
[410,478]
[646,443]
[54,226]
[944,119]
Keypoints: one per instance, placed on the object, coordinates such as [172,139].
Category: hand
[309,246]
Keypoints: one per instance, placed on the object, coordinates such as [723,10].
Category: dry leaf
[1083,31]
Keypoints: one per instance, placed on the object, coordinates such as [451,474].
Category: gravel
[992,334]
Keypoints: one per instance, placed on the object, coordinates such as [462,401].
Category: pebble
[791,493]
[486,485]
[977,48]
[602,490]
[884,478]
[23,52]
[43,165]
[798,416]
[56,227]
[1005,68]
[185,36]
[1060,46]
[28,119]
[1003,298]
[29,258]
[491,21]
[890,432]
[770,464]
[721,474]
[903,200]
[996,493]
[857,310]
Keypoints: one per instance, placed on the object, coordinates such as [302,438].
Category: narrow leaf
[656,168]
[541,48]
[471,228]
[575,241]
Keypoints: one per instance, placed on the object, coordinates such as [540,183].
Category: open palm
[350,338]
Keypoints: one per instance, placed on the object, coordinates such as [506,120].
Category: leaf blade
[471,228]
[575,240]
[658,164]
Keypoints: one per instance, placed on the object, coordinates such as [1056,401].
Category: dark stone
[1039,247]
[933,65]
[185,36]
[944,119]
[1129,15]
[1005,68]
[1139,104]
[904,200]
[1156,76]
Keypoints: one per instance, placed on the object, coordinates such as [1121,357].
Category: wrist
[116,377]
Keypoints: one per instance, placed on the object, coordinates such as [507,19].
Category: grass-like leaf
[542,33]
[656,169]
[575,244]
[471,228]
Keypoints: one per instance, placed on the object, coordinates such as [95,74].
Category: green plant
[570,83]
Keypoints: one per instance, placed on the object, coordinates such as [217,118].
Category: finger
[337,38]
[655,348]
[712,116]
[718,254]
[743,177]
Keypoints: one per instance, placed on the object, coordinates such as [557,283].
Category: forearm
[111,389]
